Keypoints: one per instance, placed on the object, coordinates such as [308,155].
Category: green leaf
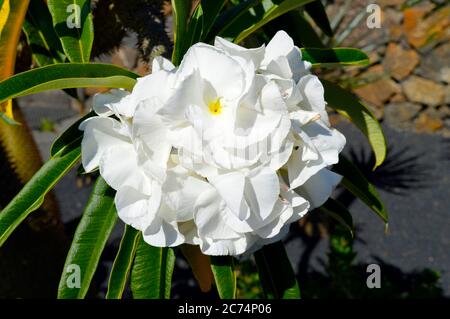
[151,275]
[277,9]
[211,10]
[338,212]
[350,106]
[303,34]
[32,194]
[223,270]
[70,135]
[235,18]
[334,57]
[122,264]
[64,76]
[72,20]
[41,36]
[317,12]
[181,10]
[355,181]
[195,27]
[275,272]
[93,231]
[7,119]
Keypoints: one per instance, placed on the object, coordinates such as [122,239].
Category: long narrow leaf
[223,270]
[317,12]
[122,263]
[70,135]
[338,212]
[67,75]
[151,275]
[231,19]
[301,31]
[350,106]
[211,10]
[42,38]
[276,273]
[99,218]
[357,183]
[276,10]
[334,57]
[181,10]
[73,23]
[32,195]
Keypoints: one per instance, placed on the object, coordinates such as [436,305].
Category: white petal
[255,55]
[313,96]
[105,104]
[328,142]
[318,188]
[231,186]
[261,192]
[209,210]
[119,167]
[225,74]
[100,134]
[181,191]
[156,87]
[135,208]
[163,234]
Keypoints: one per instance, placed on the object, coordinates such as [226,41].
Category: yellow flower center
[215,107]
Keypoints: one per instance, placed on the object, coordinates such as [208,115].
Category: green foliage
[224,275]
[122,263]
[42,38]
[338,212]
[358,185]
[334,57]
[63,76]
[277,9]
[181,9]
[276,273]
[72,20]
[32,195]
[351,107]
[99,218]
[317,12]
[151,275]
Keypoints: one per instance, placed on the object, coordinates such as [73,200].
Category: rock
[424,91]
[399,62]
[396,32]
[413,16]
[399,97]
[429,121]
[428,30]
[434,65]
[400,115]
[377,93]
[390,3]
[373,73]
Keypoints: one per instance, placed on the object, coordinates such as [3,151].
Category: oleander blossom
[224,151]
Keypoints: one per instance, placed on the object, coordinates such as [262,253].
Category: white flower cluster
[224,151]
